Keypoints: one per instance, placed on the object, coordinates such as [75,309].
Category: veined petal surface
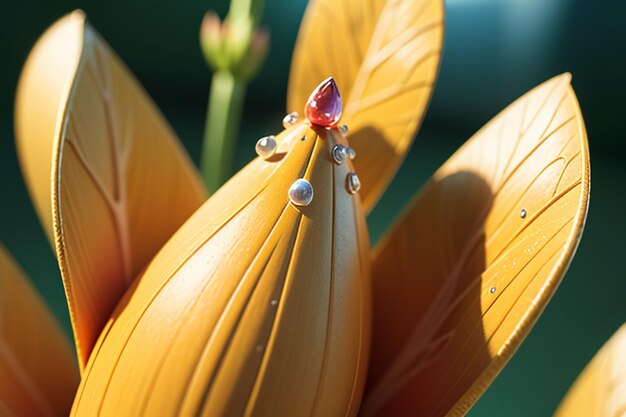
[471,264]
[600,390]
[255,307]
[38,371]
[109,177]
[384,56]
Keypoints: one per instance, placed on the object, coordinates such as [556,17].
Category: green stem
[220,135]
[239,57]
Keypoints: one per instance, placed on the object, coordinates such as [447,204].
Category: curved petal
[468,268]
[600,390]
[255,307]
[38,372]
[384,55]
[108,176]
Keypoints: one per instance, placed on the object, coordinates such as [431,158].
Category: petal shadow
[439,258]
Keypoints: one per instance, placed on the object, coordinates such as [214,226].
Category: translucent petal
[38,372]
[109,178]
[463,275]
[600,390]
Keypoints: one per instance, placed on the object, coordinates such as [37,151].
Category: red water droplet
[324,106]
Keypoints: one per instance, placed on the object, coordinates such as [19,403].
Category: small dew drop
[492,290]
[274,302]
[351,153]
[343,129]
[290,119]
[522,214]
[529,250]
[339,154]
[266,147]
[353,183]
[301,192]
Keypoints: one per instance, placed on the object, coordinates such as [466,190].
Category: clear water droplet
[339,154]
[290,119]
[343,129]
[301,192]
[351,153]
[266,147]
[353,183]
[492,290]
[529,250]
[522,214]
[274,302]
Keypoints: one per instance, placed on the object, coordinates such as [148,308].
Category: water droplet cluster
[324,108]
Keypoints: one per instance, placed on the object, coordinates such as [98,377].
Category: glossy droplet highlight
[274,303]
[324,106]
[353,183]
[290,119]
[492,290]
[351,153]
[301,192]
[522,214]
[339,154]
[266,147]
[343,129]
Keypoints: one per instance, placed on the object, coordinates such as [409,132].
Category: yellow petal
[600,391]
[38,372]
[471,264]
[255,307]
[384,56]
[119,181]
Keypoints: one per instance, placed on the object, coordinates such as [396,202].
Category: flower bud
[212,40]
[233,45]
[258,305]
[256,53]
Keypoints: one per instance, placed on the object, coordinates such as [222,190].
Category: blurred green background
[495,50]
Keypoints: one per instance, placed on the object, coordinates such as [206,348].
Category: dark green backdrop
[495,50]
